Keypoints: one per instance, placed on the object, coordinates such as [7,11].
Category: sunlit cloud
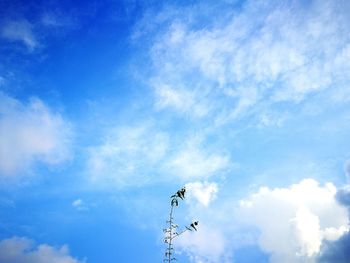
[294,221]
[289,224]
[203,193]
[31,133]
[24,250]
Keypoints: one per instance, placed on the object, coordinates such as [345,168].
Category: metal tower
[171,231]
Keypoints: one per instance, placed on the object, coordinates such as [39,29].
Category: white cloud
[79,204]
[192,160]
[168,96]
[137,155]
[126,155]
[203,193]
[22,31]
[205,245]
[308,228]
[181,100]
[23,250]
[288,224]
[244,58]
[30,133]
[295,221]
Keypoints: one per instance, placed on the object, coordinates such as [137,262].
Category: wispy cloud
[53,20]
[31,133]
[236,64]
[20,31]
[126,155]
[179,99]
[193,161]
[23,250]
[144,153]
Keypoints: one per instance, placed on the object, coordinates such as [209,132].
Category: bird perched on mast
[180,193]
[194,224]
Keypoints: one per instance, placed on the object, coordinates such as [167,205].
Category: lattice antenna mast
[171,230]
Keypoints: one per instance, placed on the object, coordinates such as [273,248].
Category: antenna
[171,232]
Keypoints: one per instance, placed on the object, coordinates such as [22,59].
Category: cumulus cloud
[30,133]
[303,222]
[203,193]
[234,63]
[343,196]
[205,245]
[20,31]
[338,250]
[294,221]
[23,250]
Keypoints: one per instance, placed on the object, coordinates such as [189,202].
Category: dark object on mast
[171,231]
[180,193]
[174,202]
[194,224]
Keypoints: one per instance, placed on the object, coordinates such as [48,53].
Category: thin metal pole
[170,233]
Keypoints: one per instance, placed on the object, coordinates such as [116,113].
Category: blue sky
[109,107]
